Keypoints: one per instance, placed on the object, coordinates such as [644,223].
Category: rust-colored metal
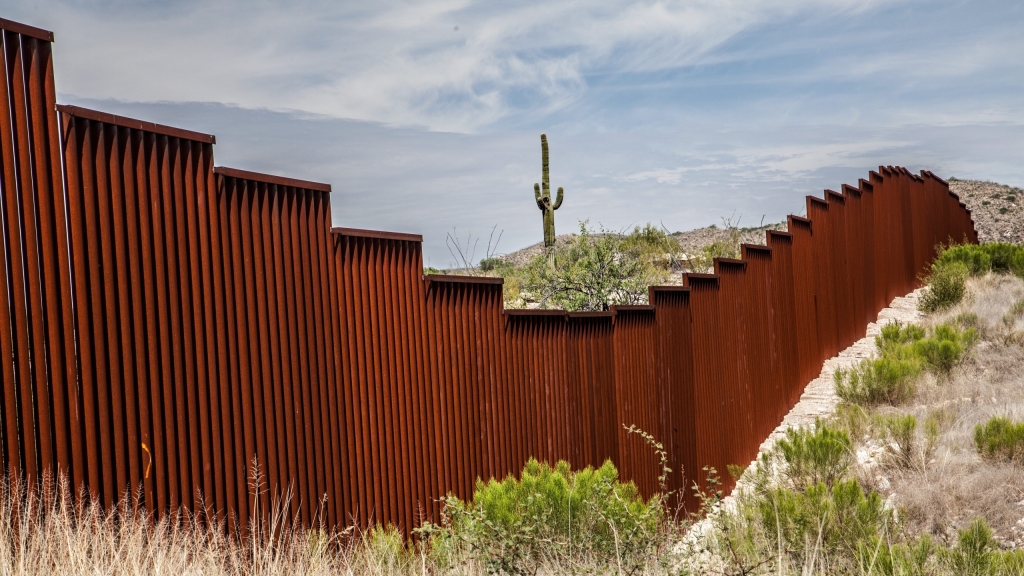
[204,334]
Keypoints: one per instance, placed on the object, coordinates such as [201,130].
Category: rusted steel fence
[204,334]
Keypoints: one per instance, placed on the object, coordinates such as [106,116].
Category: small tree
[599,270]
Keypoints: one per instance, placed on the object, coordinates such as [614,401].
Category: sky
[426,116]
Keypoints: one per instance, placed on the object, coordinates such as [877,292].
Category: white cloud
[401,63]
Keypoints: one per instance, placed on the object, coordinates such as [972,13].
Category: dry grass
[943,492]
[46,532]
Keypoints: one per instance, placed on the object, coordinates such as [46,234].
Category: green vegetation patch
[1000,439]
[819,456]
[598,269]
[551,513]
[904,352]
[1000,257]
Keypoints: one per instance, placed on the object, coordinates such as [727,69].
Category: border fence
[167,326]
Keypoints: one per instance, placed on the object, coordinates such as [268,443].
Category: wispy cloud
[425,115]
[448,65]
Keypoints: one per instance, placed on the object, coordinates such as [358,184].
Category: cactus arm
[558,200]
[536,194]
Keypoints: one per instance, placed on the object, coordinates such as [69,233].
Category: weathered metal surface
[204,334]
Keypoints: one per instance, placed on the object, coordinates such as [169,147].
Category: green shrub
[811,456]
[967,320]
[831,523]
[947,285]
[885,380]
[489,264]
[900,559]
[1000,439]
[932,428]
[1009,562]
[944,348]
[515,525]
[1017,264]
[896,334]
[995,256]
[975,551]
[1001,254]
[598,269]
[904,352]
[901,432]
[974,257]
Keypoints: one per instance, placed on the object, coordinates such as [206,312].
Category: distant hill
[690,242]
[998,209]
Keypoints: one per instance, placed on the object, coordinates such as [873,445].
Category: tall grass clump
[1000,439]
[977,553]
[50,530]
[904,352]
[901,432]
[947,286]
[807,457]
[804,514]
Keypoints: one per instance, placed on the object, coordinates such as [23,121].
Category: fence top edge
[758,247]
[730,262]
[25,29]
[851,190]
[936,176]
[271,179]
[864,185]
[620,308]
[456,279]
[672,288]
[689,279]
[820,201]
[779,233]
[134,124]
[528,313]
[379,234]
[831,195]
[583,315]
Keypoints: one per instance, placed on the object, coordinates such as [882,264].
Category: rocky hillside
[690,241]
[998,212]
[998,209]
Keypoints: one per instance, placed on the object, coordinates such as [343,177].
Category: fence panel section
[204,335]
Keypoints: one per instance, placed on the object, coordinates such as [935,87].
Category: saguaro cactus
[544,196]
